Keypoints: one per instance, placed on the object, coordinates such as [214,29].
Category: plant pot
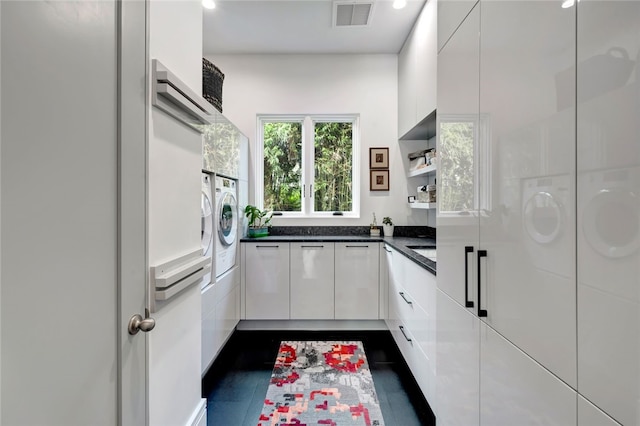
[258,232]
[388,230]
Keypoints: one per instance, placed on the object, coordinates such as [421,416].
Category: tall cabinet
[506,315]
[608,232]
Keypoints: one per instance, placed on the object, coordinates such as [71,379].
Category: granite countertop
[401,244]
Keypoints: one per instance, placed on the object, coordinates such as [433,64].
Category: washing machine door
[206,224]
[611,223]
[227,219]
[543,217]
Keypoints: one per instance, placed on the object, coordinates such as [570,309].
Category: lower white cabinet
[356,281]
[457,364]
[312,280]
[411,318]
[515,389]
[266,271]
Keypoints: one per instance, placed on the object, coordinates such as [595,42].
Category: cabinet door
[312,280]
[516,390]
[356,281]
[457,140]
[227,314]
[426,35]
[608,208]
[527,100]
[266,280]
[457,367]
[406,87]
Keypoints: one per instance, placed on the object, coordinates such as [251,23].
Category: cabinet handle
[481,312]
[356,246]
[311,246]
[404,334]
[467,303]
[387,250]
[401,293]
[267,246]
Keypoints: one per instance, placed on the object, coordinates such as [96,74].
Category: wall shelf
[422,171]
[422,205]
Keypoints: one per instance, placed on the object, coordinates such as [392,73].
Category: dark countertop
[401,244]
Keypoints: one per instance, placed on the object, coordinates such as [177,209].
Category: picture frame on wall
[378,158]
[379,180]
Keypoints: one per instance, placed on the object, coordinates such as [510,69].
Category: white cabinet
[527,213]
[458,375]
[411,318]
[312,280]
[266,280]
[356,280]
[417,71]
[608,153]
[514,389]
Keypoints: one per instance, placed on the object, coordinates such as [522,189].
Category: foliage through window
[308,164]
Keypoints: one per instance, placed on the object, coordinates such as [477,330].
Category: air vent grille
[352,14]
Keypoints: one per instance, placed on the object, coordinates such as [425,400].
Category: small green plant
[387,221]
[257,218]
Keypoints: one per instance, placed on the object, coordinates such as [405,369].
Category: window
[308,165]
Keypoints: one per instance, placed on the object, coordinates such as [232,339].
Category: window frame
[308,122]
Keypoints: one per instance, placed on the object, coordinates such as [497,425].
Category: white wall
[175,161]
[327,84]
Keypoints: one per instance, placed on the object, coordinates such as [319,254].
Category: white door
[73,212]
[266,280]
[357,280]
[312,280]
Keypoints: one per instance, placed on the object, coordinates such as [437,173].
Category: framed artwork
[378,158]
[379,180]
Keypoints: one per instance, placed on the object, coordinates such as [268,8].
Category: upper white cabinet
[417,71]
[312,286]
[450,14]
[266,280]
[222,146]
[356,280]
[527,209]
[608,152]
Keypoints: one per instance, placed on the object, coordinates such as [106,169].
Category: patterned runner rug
[321,383]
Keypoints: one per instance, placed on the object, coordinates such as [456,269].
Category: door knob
[137,323]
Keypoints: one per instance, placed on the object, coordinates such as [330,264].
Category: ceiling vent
[350,14]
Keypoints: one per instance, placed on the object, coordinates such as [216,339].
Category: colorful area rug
[321,383]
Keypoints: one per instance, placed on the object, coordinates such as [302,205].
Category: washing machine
[609,231]
[206,222]
[549,231]
[227,220]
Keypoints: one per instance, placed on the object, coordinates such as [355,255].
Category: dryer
[206,223]
[227,219]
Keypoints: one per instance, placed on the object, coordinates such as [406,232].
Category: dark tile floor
[236,384]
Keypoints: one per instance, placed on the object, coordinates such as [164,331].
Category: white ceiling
[302,26]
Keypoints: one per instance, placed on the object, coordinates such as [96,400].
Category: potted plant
[259,221]
[374,231]
[387,226]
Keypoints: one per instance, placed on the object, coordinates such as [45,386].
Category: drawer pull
[267,246]
[312,246]
[357,246]
[404,334]
[387,250]
[401,293]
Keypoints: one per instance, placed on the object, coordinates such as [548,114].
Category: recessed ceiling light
[209,4]
[399,4]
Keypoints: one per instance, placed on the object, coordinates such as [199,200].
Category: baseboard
[312,325]
[199,416]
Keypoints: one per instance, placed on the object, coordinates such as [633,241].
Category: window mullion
[308,155]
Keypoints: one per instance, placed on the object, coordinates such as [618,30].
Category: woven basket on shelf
[212,79]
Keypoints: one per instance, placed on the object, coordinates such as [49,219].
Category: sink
[427,251]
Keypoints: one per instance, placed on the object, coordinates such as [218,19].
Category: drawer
[419,282]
